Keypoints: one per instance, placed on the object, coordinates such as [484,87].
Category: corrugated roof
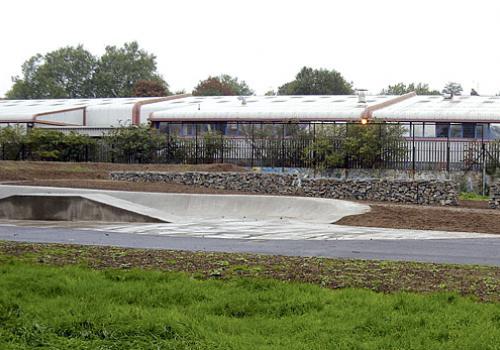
[267,108]
[437,108]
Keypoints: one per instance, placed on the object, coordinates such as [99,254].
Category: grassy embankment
[222,301]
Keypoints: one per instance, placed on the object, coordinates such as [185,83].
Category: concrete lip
[185,208]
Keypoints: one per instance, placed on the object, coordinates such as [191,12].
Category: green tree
[119,68]
[73,72]
[223,85]
[402,88]
[63,73]
[454,89]
[311,81]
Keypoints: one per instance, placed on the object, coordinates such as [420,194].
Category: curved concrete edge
[175,207]
[77,207]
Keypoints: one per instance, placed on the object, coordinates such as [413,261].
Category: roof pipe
[136,110]
[368,112]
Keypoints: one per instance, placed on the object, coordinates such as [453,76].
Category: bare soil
[469,216]
[457,219]
[21,170]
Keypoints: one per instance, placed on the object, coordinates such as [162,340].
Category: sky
[372,43]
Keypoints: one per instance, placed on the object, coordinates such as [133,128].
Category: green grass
[74,307]
[471,196]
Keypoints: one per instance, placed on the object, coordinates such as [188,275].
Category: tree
[317,82]
[73,72]
[223,85]
[120,68]
[150,88]
[402,88]
[64,73]
[454,89]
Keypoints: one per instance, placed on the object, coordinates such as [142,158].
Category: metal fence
[407,154]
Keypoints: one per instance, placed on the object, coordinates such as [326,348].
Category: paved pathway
[258,230]
[459,251]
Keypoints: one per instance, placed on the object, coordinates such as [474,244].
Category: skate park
[241,223]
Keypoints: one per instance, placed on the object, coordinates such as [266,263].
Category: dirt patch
[20,170]
[427,218]
[482,282]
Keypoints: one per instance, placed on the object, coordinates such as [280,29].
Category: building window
[442,129]
[456,130]
[469,130]
[482,130]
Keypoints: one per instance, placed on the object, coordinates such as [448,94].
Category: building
[436,117]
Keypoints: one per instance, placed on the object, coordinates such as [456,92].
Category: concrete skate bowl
[50,207]
[93,205]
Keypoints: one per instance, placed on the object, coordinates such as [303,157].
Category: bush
[135,144]
[46,144]
[12,140]
[339,146]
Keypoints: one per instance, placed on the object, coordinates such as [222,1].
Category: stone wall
[401,191]
[495,195]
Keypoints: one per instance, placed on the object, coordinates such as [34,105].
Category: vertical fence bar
[483,163]
[448,151]
[253,145]
[196,144]
[222,147]
[413,155]
[283,148]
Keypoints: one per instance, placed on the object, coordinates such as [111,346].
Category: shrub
[338,146]
[12,139]
[135,143]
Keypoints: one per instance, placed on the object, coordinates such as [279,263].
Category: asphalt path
[484,251]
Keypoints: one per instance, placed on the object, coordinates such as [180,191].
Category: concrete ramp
[191,208]
[76,207]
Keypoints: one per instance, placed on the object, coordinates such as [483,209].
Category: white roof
[23,111]
[437,108]
[109,112]
[266,108]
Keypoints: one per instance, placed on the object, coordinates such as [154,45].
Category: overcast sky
[372,43]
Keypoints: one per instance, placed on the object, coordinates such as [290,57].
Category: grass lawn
[74,307]
[73,297]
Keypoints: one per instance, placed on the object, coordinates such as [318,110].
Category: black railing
[287,152]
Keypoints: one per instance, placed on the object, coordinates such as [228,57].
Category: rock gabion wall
[495,195]
[401,191]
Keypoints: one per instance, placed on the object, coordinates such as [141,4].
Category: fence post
[196,143]
[448,151]
[283,148]
[222,147]
[413,155]
[483,155]
[253,145]
[346,136]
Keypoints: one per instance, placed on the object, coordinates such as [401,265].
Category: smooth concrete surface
[483,251]
[189,207]
[256,230]
[73,207]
